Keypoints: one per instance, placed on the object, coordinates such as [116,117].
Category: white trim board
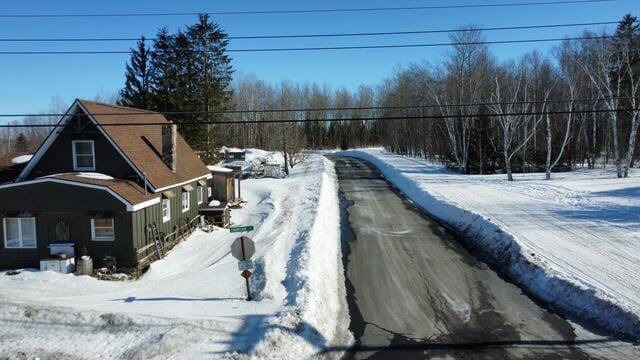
[209,176]
[53,135]
[130,207]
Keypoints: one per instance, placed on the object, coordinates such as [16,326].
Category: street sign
[245,265]
[243,248]
[238,229]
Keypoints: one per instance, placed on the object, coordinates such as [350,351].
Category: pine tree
[212,77]
[137,89]
[21,144]
[187,72]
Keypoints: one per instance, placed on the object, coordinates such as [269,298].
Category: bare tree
[605,67]
[510,104]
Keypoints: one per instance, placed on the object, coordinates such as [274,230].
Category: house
[102,178]
[232,154]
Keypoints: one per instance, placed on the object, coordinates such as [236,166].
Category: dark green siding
[141,219]
[54,202]
[51,203]
[51,196]
[59,156]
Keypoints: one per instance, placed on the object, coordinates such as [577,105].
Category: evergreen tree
[137,89]
[187,72]
[212,73]
[21,144]
[163,71]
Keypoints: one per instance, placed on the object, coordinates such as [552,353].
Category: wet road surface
[415,293]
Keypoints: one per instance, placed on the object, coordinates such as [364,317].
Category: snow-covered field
[573,241]
[191,304]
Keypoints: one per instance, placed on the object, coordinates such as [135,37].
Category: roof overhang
[208,176]
[130,207]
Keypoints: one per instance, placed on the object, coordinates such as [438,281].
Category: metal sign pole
[243,249]
[246,278]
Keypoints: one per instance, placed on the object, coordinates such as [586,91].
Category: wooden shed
[224,184]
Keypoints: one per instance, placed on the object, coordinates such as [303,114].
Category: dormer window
[83,155]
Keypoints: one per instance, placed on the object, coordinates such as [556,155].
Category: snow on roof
[217,168]
[244,165]
[228,149]
[94,175]
[21,159]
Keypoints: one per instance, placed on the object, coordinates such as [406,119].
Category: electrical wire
[322,48]
[353,108]
[327,35]
[389,118]
[310,11]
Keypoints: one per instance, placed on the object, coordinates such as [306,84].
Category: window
[186,199]
[200,194]
[20,233]
[83,155]
[209,191]
[102,229]
[166,210]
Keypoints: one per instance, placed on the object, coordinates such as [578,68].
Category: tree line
[579,105]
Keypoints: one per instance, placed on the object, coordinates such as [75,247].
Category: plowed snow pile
[573,241]
[190,305]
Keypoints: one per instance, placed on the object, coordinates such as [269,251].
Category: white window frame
[75,156]
[200,193]
[167,217]
[35,235]
[93,231]
[188,201]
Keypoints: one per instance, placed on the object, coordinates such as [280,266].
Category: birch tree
[511,104]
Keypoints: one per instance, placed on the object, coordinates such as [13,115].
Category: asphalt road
[414,292]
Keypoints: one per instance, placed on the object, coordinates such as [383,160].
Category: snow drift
[191,303]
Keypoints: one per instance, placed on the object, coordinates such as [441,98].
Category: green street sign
[241,229]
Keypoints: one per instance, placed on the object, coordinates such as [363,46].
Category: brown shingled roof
[129,190]
[143,144]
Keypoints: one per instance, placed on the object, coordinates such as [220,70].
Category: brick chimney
[169,147]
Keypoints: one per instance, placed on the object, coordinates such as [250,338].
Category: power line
[353,108]
[310,11]
[322,48]
[381,118]
[327,35]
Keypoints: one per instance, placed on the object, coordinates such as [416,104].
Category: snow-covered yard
[573,241]
[191,304]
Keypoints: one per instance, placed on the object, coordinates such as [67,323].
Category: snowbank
[573,242]
[272,157]
[191,303]
[316,308]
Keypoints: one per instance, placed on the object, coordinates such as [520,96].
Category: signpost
[243,249]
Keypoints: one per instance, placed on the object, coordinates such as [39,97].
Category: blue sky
[29,82]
